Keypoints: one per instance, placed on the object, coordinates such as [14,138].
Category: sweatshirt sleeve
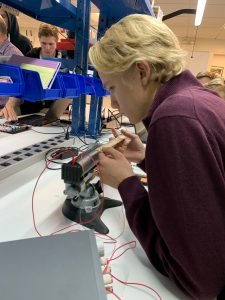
[142,165]
[179,222]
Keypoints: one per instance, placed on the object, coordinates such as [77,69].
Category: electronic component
[64,153]
[84,202]
[13,128]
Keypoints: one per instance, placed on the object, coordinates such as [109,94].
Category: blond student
[48,37]
[180,221]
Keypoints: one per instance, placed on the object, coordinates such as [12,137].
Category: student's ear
[144,71]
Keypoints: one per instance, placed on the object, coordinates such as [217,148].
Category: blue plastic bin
[33,90]
[15,88]
[94,87]
[76,84]
[82,84]
[70,84]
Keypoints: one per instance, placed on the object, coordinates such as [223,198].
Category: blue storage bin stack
[27,85]
[74,85]
[70,85]
[34,91]
[94,87]
[16,88]
[82,84]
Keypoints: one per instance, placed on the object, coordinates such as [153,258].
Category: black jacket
[35,52]
[16,38]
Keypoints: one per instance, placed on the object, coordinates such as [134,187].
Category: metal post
[81,60]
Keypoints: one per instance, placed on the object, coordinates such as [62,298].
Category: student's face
[4,16]
[48,46]
[127,95]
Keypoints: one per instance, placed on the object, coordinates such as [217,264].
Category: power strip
[16,161]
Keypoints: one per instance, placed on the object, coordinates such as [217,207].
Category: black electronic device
[33,120]
[84,203]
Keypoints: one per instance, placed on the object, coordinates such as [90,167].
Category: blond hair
[48,30]
[139,37]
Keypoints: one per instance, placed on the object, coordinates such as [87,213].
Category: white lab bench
[16,219]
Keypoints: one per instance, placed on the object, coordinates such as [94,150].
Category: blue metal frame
[125,7]
[82,44]
[95,122]
[63,14]
[60,13]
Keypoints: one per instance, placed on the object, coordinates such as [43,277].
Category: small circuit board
[13,127]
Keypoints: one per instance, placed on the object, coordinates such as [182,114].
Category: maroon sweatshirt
[180,222]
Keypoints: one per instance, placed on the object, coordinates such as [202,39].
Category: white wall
[211,45]
[199,61]
[206,53]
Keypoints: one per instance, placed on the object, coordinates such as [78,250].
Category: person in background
[8,105]
[205,77]
[217,85]
[48,37]
[15,37]
[180,220]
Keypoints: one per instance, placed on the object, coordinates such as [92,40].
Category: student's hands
[114,167]
[132,147]
[9,110]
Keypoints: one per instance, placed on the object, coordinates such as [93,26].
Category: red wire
[47,164]
[123,252]
[114,240]
[114,294]
[128,243]
[66,227]
[33,216]
[139,284]
[73,163]
[110,259]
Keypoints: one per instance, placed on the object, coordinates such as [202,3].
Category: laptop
[54,113]
[141,131]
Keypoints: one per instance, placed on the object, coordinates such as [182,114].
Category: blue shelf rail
[77,19]
[27,85]
[60,13]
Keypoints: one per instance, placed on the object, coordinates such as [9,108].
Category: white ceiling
[183,25]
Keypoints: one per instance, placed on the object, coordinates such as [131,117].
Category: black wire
[49,132]
[193,48]
[112,113]
[55,151]
[83,141]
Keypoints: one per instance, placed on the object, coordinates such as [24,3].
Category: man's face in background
[48,46]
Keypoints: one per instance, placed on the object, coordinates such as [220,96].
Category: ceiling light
[199,12]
